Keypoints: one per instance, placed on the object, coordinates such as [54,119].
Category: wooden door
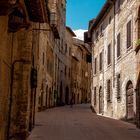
[130,101]
[101,101]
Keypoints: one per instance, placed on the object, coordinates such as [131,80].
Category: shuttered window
[118,45]
[95,66]
[109,91]
[129,34]
[118,86]
[101,61]
[94,95]
[109,54]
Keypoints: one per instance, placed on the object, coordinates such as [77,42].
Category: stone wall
[125,65]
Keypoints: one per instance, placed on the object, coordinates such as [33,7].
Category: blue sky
[79,12]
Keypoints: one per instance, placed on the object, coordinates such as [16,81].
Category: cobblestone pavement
[79,123]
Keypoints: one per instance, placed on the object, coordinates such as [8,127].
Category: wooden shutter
[101,61]
[109,54]
[129,39]
[118,86]
[118,45]
[95,66]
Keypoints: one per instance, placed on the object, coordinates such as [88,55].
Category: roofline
[106,7]
[70,30]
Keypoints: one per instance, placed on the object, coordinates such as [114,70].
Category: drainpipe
[11,93]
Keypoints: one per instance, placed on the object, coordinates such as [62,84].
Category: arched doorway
[129,101]
[138,102]
[67,95]
[101,101]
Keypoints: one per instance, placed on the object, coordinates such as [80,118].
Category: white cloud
[79,33]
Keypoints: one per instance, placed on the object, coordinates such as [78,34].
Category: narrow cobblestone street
[79,123]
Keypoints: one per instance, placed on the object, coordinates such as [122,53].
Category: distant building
[81,72]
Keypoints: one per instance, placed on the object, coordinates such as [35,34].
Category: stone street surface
[79,123]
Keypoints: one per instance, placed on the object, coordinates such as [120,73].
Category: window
[101,61]
[129,39]
[110,19]
[97,35]
[65,48]
[118,45]
[101,30]
[109,54]
[118,4]
[94,95]
[95,65]
[109,92]
[118,86]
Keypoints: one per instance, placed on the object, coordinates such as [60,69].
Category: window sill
[109,65]
[119,99]
[101,35]
[101,71]
[130,48]
[109,101]
[118,58]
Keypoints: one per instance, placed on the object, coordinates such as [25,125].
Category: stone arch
[129,101]
[138,101]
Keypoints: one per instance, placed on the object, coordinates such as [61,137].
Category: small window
[109,54]
[118,4]
[101,30]
[101,61]
[95,66]
[110,19]
[129,35]
[97,34]
[65,48]
[118,86]
[118,45]
[109,92]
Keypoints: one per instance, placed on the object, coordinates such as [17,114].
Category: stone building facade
[137,49]
[81,73]
[68,70]
[28,29]
[112,36]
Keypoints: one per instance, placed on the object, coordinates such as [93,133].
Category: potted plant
[137,44]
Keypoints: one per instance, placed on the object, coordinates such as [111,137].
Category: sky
[79,12]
